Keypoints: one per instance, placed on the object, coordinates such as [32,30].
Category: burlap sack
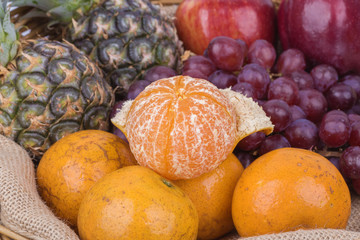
[21,208]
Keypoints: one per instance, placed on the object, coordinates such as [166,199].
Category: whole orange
[212,195]
[182,127]
[71,166]
[136,203]
[289,189]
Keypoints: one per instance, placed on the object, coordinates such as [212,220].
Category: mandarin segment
[182,127]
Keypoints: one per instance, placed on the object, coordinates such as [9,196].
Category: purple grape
[244,157]
[120,134]
[226,53]
[302,133]
[251,142]
[136,88]
[355,183]
[195,74]
[303,79]
[353,118]
[354,82]
[244,88]
[263,53]
[257,76]
[355,109]
[313,103]
[116,108]
[297,112]
[285,89]
[199,63]
[159,72]
[350,162]
[279,113]
[290,60]
[324,77]
[341,96]
[244,46]
[223,79]
[354,139]
[334,129]
[273,142]
[335,161]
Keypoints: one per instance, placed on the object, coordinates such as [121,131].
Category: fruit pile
[136,136]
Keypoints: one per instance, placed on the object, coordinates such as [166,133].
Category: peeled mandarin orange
[289,189]
[136,203]
[182,127]
[212,195]
[71,166]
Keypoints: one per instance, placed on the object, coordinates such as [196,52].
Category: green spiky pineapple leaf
[9,37]
[61,11]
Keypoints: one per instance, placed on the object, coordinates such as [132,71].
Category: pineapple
[124,37]
[48,89]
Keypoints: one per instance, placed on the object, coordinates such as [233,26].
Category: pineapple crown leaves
[9,36]
[60,11]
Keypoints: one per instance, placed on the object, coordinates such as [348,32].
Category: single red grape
[136,88]
[244,157]
[313,103]
[226,53]
[302,133]
[251,142]
[222,79]
[244,88]
[324,77]
[279,113]
[195,74]
[354,82]
[199,63]
[354,139]
[273,142]
[297,112]
[159,72]
[285,89]
[353,118]
[257,76]
[263,53]
[290,60]
[303,79]
[334,129]
[341,96]
[350,162]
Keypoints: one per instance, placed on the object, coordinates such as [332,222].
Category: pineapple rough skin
[50,90]
[125,38]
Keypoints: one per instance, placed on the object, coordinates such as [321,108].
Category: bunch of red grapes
[313,109]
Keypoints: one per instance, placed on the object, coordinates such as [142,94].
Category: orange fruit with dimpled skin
[71,166]
[182,127]
[289,189]
[136,203]
[212,195]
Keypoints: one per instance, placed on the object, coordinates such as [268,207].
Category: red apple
[326,31]
[199,21]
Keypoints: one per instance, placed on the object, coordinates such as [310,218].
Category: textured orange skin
[71,166]
[212,195]
[199,21]
[136,203]
[181,127]
[289,189]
